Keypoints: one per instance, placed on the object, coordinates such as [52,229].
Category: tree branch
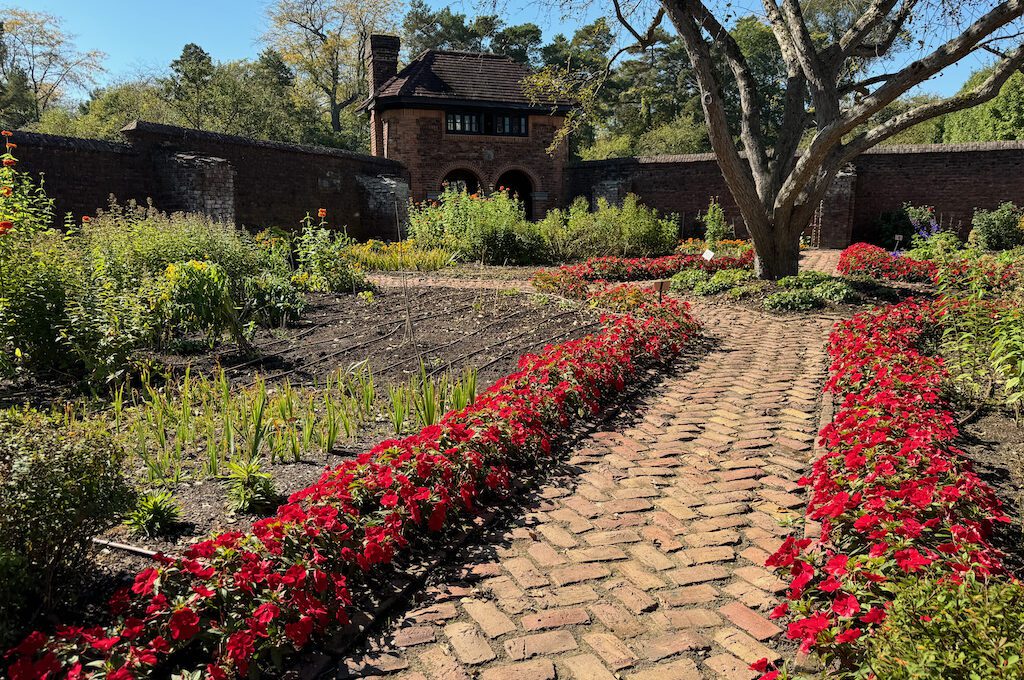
[984,92]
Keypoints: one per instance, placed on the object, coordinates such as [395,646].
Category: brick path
[645,562]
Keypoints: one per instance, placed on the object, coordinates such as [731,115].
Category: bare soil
[995,443]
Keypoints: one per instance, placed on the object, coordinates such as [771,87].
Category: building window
[463,123]
[508,124]
[504,124]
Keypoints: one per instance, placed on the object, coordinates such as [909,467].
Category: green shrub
[716,228]
[155,514]
[834,291]
[944,630]
[322,265]
[194,298]
[900,223]
[804,280]
[998,229]
[723,280]
[793,301]
[688,279]
[271,299]
[249,488]
[747,290]
[59,486]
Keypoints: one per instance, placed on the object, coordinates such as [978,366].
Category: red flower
[184,624]
[845,605]
[145,580]
[321,213]
[806,630]
[910,560]
[299,631]
[761,665]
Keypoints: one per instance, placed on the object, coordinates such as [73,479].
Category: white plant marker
[708,255]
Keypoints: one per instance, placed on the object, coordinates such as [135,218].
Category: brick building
[463,118]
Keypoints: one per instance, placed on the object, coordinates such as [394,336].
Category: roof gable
[440,76]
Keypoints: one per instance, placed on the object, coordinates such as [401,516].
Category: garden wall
[954,178]
[254,183]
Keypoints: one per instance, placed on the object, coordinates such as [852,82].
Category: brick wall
[417,139]
[81,175]
[255,183]
[954,178]
[277,183]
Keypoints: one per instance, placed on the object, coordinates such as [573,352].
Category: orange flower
[86,218]
[12,145]
[6,133]
[321,213]
[8,162]
[7,191]
[6,227]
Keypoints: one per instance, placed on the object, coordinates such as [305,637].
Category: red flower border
[879,263]
[895,498]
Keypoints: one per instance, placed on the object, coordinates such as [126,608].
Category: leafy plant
[793,301]
[998,229]
[722,281]
[322,265]
[688,279]
[716,228]
[155,514]
[834,291]
[404,255]
[950,630]
[61,483]
[250,489]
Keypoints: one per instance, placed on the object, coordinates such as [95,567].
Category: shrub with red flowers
[573,280]
[896,500]
[879,263]
[237,601]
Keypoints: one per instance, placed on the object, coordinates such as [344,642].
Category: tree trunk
[779,257]
[336,116]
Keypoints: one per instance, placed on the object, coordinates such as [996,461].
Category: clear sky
[146,35]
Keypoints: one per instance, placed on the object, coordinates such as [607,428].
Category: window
[504,124]
[510,125]
[463,123]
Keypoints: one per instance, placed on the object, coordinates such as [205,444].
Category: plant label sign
[708,255]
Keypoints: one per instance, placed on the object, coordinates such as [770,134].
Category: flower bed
[863,258]
[238,601]
[895,499]
[572,280]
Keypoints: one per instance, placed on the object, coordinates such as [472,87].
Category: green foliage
[250,489]
[799,300]
[156,513]
[947,630]
[715,226]
[835,291]
[805,280]
[900,223]
[688,279]
[747,290]
[427,29]
[60,485]
[322,265]
[1000,118]
[723,280]
[194,298]
[629,230]
[271,299]
[404,255]
[998,229]
[936,246]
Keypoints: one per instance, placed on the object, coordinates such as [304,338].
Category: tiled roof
[462,76]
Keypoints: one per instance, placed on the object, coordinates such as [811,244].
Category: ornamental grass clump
[239,601]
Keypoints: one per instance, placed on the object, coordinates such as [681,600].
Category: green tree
[1000,118]
[426,29]
[188,86]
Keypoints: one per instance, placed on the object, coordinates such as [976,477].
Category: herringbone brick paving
[647,564]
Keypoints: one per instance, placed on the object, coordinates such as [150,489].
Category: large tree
[424,28]
[840,74]
[323,40]
[38,56]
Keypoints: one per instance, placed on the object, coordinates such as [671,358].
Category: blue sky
[145,36]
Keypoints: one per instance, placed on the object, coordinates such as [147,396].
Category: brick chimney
[381,59]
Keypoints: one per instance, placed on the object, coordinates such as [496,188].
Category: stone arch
[521,183]
[464,175]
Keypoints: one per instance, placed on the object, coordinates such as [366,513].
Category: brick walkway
[645,562]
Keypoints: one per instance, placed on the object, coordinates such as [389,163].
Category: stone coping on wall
[959,147]
[38,139]
[186,134]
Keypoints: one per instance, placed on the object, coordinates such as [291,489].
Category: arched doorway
[461,180]
[518,184]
